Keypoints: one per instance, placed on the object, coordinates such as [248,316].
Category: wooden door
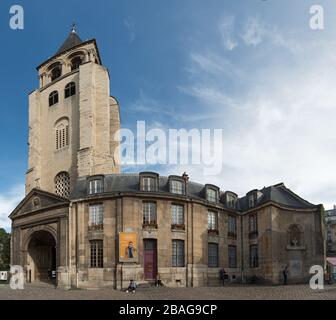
[150,259]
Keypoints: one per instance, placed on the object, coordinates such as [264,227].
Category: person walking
[222,275]
[285,275]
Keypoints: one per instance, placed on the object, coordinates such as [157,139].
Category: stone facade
[78,204]
[330,220]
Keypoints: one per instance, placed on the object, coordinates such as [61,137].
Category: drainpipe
[242,248]
[76,243]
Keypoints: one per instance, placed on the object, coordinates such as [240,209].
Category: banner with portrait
[128,247]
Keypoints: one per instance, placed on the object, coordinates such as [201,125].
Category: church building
[97,227]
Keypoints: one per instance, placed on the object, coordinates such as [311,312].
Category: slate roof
[129,182]
[73,40]
[280,195]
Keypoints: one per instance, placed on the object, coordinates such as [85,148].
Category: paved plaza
[42,291]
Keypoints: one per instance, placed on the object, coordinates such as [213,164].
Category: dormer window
[53,98]
[251,201]
[148,182]
[75,63]
[212,194]
[253,197]
[176,186]
[231,200]
[96,185]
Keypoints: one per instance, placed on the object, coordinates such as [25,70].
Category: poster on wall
[128,247]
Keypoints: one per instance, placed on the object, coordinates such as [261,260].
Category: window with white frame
[212,220]
[96,254]
[212,195]
[176,187]
[149,213]
[96,215]
[148,184]
[96,186]
[177,214]
[177,253]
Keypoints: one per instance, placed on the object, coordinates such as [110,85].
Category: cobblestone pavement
[238,292]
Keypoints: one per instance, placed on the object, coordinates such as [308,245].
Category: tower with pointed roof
[73,120]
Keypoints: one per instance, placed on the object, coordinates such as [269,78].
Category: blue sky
[253,68]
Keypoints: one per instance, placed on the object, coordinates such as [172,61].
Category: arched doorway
[42,262]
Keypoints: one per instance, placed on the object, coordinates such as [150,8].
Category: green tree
[4,250]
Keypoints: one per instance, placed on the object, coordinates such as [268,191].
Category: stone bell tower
[73,119]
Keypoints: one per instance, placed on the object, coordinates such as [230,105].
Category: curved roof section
[129,183]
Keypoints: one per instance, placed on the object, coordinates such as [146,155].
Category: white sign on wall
[3,275]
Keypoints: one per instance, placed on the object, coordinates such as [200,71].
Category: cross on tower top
[74,26]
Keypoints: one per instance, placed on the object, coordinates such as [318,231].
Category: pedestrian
[131,287]
[285,275]
[49,275]
[222,275]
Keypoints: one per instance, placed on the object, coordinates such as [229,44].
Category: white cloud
[254,32]
[281,117]
[226,28]
[130,25]
[8,201]
[257,32]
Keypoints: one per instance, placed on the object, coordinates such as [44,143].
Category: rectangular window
[96,254]
[148,184]
[254,258]
[253,223]
[176,187]
[149,213]
[213,255]
[212,195]
[212,220]
[178,253]
[232,257]
[96,186]
[231,201]
[177,214]
[96,213]
[252,201]
[232,226]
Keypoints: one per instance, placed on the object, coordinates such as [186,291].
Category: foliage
[4,250]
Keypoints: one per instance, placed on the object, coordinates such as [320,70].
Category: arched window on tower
[53,98]
[62,134]
[76,62]
[295,236]
[62,184]
[56,72]
[70,90]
